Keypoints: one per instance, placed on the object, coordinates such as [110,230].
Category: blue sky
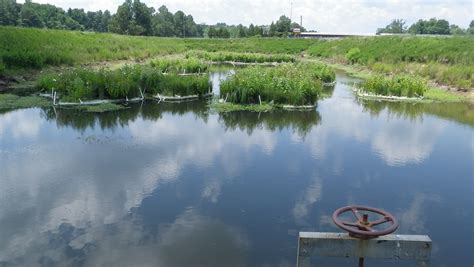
[357,16]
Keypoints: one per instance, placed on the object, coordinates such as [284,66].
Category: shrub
[2,67]
[323,72]
[354,55]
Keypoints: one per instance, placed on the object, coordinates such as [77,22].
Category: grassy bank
[37,48]
[8,101]
[448,61]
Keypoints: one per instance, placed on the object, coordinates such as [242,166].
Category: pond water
[178,185]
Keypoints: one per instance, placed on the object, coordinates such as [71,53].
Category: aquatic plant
[10,101]
[128,81]
[322,72]
[172,85]
[285,84]
[179,65]
[241,57]
[400,85]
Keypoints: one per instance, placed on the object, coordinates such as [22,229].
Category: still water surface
[178,185]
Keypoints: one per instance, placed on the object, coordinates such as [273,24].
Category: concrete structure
[327,35]
[391,247]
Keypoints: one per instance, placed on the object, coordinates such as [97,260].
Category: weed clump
[188,65]
[241,57]
[403,85]
[127,82]
[354,55]
[286,84]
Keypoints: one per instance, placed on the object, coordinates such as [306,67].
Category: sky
[343,16]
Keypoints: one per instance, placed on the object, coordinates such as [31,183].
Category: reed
[178,65]
[223,56]
[126,82]
[401,85]
[286,84]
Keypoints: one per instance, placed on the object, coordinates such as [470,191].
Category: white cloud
[19,124]
[309,197]
[332,16]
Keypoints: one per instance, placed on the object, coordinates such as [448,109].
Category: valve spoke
[356,214]
[380,221]
[354,224]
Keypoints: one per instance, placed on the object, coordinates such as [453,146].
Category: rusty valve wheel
[363,228]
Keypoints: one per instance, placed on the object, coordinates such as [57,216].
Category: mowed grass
[443,95]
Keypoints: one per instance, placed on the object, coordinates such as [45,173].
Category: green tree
[222,32]
[396,26]
[190,26]
[241,31]
[432,26]
[272,32]
[9,11]
[283,26]
[296,25]
[456,30]
[120,22]
[163,24]
[78,15]
[29,16]
[179,25]
[470,30]
[211,32]
[251,31]
[142,16]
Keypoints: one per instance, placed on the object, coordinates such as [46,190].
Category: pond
[179,185]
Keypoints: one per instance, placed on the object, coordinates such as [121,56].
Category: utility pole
[184,31]
[301,21]
[291,11]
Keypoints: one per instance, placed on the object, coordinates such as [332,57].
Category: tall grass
[403,85]
[178,65]
[321,71]
[241,57]
[128,81]
[36,48]
[448,61]
[285,84]
[394,49]
[456,75]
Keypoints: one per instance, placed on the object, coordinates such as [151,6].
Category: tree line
[136,18]
[132,18]
[431,26]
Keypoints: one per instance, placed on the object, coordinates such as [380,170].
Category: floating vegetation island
[125,83]
[397,86]
[222,57]
[286,85]
[189,65]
